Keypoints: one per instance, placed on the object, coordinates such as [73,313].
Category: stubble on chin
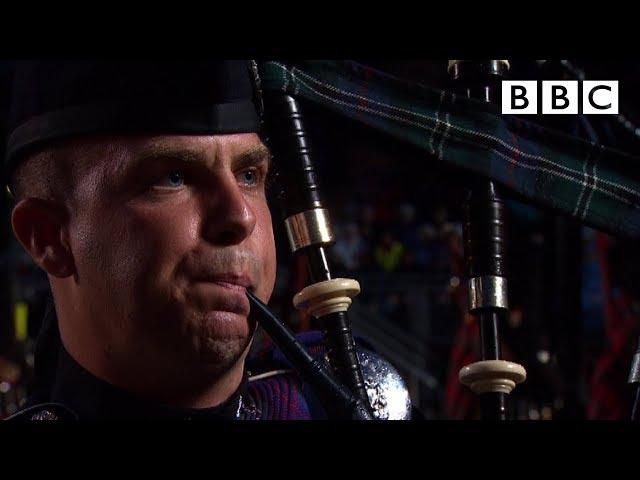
[207,349]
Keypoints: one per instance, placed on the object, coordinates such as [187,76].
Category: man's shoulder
[275,391]
[44,411]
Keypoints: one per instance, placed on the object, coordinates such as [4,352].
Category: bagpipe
[461,126]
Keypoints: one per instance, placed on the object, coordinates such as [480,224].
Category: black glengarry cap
[53,100]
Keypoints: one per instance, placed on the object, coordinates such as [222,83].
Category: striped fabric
[278,397]
[599,186]
[275,391]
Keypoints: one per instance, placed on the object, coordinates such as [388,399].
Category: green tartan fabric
[597,185]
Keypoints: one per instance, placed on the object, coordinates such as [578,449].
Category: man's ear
[41,227]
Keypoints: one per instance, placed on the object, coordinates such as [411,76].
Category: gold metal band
[487,291]
[311,227]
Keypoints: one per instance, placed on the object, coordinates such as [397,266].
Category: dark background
[574,305]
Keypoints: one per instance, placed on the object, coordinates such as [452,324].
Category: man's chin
[208,341]
[219,324]
[221,339]
[219,356]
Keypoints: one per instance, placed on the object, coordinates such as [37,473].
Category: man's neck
[92,398]
[188,387]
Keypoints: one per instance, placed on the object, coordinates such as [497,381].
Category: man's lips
[229,280]
[231,286]
[224,292]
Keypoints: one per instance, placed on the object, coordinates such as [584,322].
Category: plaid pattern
[598,186]
[282,396]
[609,399]
[278,398]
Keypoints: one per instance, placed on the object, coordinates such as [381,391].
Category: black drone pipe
[310,234]
[485,254]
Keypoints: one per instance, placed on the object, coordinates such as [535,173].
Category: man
[140,189]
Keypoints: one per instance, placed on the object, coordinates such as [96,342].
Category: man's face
[167,232]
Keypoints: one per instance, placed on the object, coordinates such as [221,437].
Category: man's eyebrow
[149,156]
[168,152]
[253,157]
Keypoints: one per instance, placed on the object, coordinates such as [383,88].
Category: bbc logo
[560,97]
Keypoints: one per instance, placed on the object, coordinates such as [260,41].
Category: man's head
[149,241]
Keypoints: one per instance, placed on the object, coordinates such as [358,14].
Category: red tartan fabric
[460,401]
[610,399]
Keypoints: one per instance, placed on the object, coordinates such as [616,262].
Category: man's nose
[229,218]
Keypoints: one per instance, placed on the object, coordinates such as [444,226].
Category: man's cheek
[125,256]
[269,264]
[162,237]
[95,244]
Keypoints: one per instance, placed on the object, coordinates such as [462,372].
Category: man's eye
[173,179]
[250,177]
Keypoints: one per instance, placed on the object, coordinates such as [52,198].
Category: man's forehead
[213,145]
[108,159]
[124,153]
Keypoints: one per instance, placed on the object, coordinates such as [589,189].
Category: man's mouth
[224,292]
[229,280]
